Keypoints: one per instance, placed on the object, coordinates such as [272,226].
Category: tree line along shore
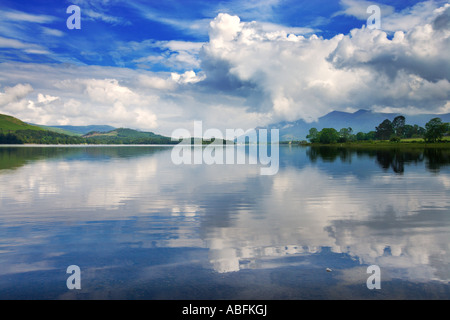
[387,133]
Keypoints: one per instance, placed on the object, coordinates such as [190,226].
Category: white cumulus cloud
[251,73]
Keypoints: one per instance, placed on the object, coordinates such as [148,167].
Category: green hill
[15,131]
[82,130]
[11,124]
[127,136]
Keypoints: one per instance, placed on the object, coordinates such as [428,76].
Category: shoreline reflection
[386,158]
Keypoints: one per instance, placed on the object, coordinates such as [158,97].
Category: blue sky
[159,65]
[109,26]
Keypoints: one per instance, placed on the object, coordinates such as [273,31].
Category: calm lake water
[141,227]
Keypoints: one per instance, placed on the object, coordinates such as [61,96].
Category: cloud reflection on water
[347,205]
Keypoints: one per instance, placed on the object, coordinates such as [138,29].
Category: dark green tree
[328,135]
[385,130]
[360,136]
[313,135]
[408,131]
[346,134]
[435,130]
[398,126]
[370,135]
[415,131]
[9,138]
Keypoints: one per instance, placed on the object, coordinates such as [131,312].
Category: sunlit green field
[421,140]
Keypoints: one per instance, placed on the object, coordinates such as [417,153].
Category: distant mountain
[58,130]
[359,121]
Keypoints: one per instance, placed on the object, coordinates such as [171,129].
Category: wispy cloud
[19,16]
[95,15]
[263,10]
[19,31]
[26,47]
[197,27]
[99,10]
[173,54]
[358,8]
[52,32]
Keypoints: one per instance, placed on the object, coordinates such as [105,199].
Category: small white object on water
[328,270]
